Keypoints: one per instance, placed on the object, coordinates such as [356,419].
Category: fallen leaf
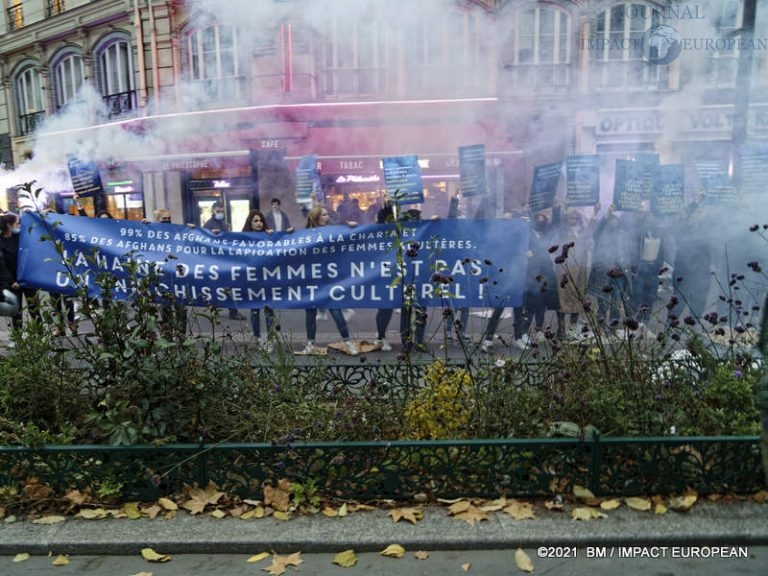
[345,559]
[280,563]
[581,492]
[659,509]
[60,560]
[421,555]
[76,497]
[278,497]
[760,497]
[471,516]
[466,567]
[610,504]
[449,501]
[330,512]
[520,510]
[151,556]
[258,557]
[168,504]
[218,514]
[523,561]
[49,520]
[641,504]
[343,510]
[412,515]
[393,551]
[199,498]
[459,507]
[494,505]
[21,557]
[92,514]
[284,516]
[151,511]
[553,505]
[142,574]
[683,503]
[586,513]
[131,510]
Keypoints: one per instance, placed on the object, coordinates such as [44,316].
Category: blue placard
[647,163]
[628,185]
[715,183]
[306,178]
[582,180]
[753,167]
[546,178]
[329,267]
[668,196]
[472,170]
[402,177]
[85,176]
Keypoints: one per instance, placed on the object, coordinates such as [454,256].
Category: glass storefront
[234,193]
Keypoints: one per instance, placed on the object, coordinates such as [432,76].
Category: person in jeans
[256,222]
[217,223]
[318,217]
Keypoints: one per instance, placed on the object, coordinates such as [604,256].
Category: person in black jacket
[9,299]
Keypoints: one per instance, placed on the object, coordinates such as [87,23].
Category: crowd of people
[577,259]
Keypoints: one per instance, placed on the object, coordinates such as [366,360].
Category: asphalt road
[485,562]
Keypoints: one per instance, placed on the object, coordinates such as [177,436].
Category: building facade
[184,102]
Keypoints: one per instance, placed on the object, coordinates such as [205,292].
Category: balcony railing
[120,104]
[54,7]
[28,123]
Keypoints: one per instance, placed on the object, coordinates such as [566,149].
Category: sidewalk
[706,524]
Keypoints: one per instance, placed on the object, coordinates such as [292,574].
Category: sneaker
[521,343]
[309,348]
[351,348]
[383,345]
[487,345]
[347,313]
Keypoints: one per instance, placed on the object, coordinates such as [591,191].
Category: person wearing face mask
[10,227]
[217,223]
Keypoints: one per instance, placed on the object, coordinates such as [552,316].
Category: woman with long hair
[318,217]
[256,223]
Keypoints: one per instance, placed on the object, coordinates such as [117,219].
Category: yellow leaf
[199,498]
[393,551]
[610,504]
[142,574]
[151,511]
[471,516]
[520,510]
[60,560]
[345,559]
[494,505]
[586,513]
[168,504]
[760,497]
[343,510]
[581,492]
[21,557]
[131,510]
[92,514]
[284,516]
[330,512]
[258,557]
[459,507]
[660,509]
[280,563]
[466,567]
[151,556]
[49,520]
[523,561]
[412,515]
[641,504]
[421,555]
[218,514]
[683,503]
[278,497]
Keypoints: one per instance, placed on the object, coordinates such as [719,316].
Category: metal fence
[399,470]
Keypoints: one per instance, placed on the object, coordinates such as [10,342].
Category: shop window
[356,57]
[539,54]
[114,71]
[615,49]
[29,99]
[69,75]
[212,62]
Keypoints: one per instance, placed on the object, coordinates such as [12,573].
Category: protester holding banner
[318,217]
[173,313]
[217,223]
[646,279]
[256,222]
[9,252]
[9,297]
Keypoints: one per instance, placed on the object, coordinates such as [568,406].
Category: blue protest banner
[306,177]
[333,266]
[582,180]
[546,177]
[85,176]
[472,170]
[628,185]
[715,183]
[402,177]
[668,189]
[647,163]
